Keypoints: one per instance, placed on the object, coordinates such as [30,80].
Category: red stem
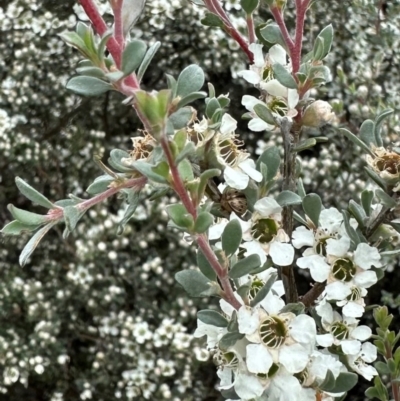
[301,9]
[179,187]
[250,28]
[277,13]
[112,45]
[136,183]
[222,273]
[395,386]
[202,240]
[118,25]
[216,8]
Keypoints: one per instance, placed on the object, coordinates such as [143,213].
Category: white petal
[353,309]
[293,357]
[293,98]
[258,125]
[258,359]
[365,279]
[337,291]
[325,340]
[250,101]
[249,167]
[302,236]
[338,247]
[225,376]
[368,372]
[256,49]
[369,352]
[282,254]
[303,330]
[228,124]
[277,54]
[331,219]
[255,247]
[283,387]
[366,256]
[351,347]
[361,333]
[235,178]
[319,269]
[272,304]
[248,320]
[248,387]
[216,230]
[324,309]
[267,206]
[250,76]
[275,88]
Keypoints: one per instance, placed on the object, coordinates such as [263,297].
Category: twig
[202,240]
[286,272]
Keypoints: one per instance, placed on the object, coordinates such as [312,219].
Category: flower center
[344,269]
[264,230]
[340,331]
[226,359]
[273,332]
[267,74]
[228,149]
[256,286]
[389,163]
[355,295]
[278,106]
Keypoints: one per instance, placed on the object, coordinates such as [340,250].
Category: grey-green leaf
[147,59]
[264,113]
[231,237]
[72,215]
[264,290]
[190,80]
[181,117]
[245,266]
[212,317]
[284,76]
[386,199]
[132,56]
[16,228]
[28,218]
[205,266]
[33,243]
[355,140]
[88,86]
[288,198]
[272,34]
[366,200]
[367,134]
[312,206]
[32,194]
[194,283]
[203,222]
[100,184]
[270,157]
[327,37]
[133,202]
[191,98]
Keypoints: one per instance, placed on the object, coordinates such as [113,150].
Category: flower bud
[318,114]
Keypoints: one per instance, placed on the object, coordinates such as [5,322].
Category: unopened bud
[318,114]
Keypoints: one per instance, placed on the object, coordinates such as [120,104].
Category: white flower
[213,333]
[359,362]
[239,168]
[266,237]
[343,331]
[285,336]
[256,124]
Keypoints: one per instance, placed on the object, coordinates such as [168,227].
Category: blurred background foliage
[99,316]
